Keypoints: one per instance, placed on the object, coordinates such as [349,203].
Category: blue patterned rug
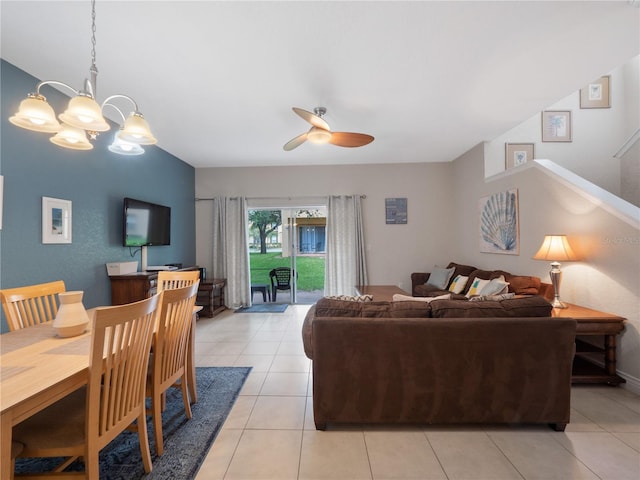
[186,442]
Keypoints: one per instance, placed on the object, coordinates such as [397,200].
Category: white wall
[608,279]
[394,251]
[598,133]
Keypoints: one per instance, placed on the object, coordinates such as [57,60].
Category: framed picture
[498,225]
[596,94]
[56,220]
[396,211]
[556,126]
[517,154]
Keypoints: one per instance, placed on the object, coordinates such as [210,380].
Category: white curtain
[231,249]
[346,264]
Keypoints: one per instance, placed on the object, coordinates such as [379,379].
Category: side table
[211,296]
[594,323]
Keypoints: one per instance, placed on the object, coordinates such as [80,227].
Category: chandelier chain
[93,32]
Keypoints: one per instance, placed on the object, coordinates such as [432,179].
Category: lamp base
[558,304]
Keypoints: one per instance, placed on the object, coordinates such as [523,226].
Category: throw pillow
[524,285]
[476,287]
[439,277]
[495,287]
[352,298]
[458,284]
[398,297]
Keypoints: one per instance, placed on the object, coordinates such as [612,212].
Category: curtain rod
[197,199]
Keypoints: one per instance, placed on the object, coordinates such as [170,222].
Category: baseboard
[633,383]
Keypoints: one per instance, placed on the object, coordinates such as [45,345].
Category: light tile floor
[270,433]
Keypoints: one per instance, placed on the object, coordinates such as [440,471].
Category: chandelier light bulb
[83,112]
[136,130]
[71,137]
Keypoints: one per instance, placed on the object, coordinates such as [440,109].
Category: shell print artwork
[499,223]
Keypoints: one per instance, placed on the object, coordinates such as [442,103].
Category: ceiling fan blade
[348,139]
[312,118]
[295,142]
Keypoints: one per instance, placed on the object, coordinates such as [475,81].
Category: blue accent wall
[96,181]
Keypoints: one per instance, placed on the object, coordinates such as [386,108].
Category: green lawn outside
[310,269]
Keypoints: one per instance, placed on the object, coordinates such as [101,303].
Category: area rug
[186,442]
[264,308]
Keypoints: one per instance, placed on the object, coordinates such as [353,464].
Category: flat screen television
[145,224]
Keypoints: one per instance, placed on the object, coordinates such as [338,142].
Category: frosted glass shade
[318,135]
[83,112]
[125,148]
[72,318]
[36,114]
[72,137]
[136,130]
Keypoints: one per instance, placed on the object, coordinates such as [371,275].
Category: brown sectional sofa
[443,362]
[518,284]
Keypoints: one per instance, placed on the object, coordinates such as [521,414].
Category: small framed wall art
[396,211]
[517,154]
[556,126]
[56,220]
[596,94]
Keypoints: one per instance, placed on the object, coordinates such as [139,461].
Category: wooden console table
[381,293]
[594,323]
[133,287]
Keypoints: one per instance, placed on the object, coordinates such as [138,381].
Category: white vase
[72,318]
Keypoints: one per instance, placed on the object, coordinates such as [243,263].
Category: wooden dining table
[38,368]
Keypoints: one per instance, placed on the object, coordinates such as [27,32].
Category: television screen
[145,223]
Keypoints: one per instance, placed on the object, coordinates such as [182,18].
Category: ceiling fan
[320,132]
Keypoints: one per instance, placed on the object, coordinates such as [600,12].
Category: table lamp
[556,248]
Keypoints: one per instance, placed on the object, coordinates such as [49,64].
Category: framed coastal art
[596,94]
[56,220]
[498,223]
[395,211]
[556,126]
[517,154]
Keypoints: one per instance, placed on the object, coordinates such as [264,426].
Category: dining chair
[168,280]
[280,280]
[31,305]
[85,421]
[168,366]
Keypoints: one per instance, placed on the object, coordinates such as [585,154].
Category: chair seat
[59,426]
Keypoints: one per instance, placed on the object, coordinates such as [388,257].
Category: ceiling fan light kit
[83,114]
[320,132]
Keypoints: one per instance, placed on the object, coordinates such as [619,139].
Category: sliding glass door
[291,241]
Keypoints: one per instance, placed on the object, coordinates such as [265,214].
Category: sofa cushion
[374,309]
[439,277]
[410,309]
[429,291]
[523,285]
[307,332]
[529,306]
[467,309]
[460,269]
[329,307]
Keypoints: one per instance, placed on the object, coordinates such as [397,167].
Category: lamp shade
[125,148]
[556,248]
[72,137]
[36,114]
[318,135]
[136,130]
[83,112]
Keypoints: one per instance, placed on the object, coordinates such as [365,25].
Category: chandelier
[83,117]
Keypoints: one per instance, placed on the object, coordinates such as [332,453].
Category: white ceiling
[429,80]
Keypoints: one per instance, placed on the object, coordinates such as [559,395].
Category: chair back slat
[170,280]
[121,342]
[31,305]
